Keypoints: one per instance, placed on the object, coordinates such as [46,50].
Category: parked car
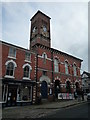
[88,96]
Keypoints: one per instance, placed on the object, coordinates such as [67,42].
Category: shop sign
[67,96]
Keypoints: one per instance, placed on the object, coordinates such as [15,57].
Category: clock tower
[40,30]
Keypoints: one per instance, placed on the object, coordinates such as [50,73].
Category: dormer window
[12,52]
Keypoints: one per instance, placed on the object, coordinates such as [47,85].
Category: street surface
[77,111]
[45,109]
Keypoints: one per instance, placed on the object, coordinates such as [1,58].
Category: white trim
[11,57]
[46,58]
[45,78]
[74,64]
[25,78]
[8,76]
[15,65]
[27,65]
[76,81]
[67,80]
[66,61]
[25,101]
[28,61]
[45,55]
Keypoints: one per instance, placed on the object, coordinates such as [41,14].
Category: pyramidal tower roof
[39,12]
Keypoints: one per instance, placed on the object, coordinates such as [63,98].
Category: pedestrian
[75,94]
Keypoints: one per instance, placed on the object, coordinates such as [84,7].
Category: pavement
[38,111]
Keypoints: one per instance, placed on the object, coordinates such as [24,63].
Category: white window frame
[44,56]
[11,55]
[15,65]
[30,68]
[56,67]
[66,68]
[74,69]
[28,60]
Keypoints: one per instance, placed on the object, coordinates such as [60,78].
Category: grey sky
[69,25]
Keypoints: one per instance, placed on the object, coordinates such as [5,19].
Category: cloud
[69,25]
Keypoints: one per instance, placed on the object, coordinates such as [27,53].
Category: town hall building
[40,72]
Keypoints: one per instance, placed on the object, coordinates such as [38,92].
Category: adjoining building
[86,82]
[40,72]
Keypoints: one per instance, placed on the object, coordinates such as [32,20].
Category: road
[78,111]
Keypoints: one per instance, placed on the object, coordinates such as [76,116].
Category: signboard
[65,96]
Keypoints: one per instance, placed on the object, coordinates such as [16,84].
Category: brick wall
[20,61]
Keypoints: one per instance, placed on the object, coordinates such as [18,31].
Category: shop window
[24,93]
[4,93]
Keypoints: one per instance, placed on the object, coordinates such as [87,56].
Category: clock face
[44,28]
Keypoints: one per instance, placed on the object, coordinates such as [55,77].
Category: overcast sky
[69,25]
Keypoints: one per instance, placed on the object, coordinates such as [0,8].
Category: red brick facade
[49,69]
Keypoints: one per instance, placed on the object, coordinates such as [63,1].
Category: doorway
[57,88]
[12,96]
[44,90]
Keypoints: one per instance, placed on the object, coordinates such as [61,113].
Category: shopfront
[17,92]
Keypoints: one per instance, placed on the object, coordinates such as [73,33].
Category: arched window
[26,69]
[75,70]
[66,67]
[10,69]
[44,56]
[26,72]
[56,69]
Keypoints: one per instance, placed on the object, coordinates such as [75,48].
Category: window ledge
[25,78]
[12,57]
[27,61]
[7,76]
[25,101]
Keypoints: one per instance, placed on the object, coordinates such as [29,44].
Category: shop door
[44,89]
[12,96]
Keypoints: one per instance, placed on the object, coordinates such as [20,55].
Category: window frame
[56,65]
[14,64]
[66,68]
[74,69]
[26,54]
[30,68]
[12,52]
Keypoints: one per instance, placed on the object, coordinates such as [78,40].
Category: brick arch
[45,78]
